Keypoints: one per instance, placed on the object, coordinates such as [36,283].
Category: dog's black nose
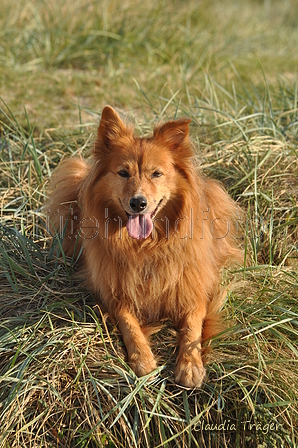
[138,204]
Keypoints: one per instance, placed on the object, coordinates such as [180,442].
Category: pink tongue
[139,226]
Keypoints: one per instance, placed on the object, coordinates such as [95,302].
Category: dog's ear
[173,133]
[111,130]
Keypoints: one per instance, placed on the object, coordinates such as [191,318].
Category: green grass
[231,67]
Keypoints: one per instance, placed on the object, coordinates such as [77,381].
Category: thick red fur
[174,273]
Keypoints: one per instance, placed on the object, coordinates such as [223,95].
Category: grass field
[231,67]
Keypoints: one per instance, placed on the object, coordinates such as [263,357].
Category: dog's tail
[62,208]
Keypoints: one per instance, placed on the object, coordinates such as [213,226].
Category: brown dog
[154,236]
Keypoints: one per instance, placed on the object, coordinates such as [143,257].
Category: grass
[229,66]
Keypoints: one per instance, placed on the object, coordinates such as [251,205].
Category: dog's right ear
[111,131]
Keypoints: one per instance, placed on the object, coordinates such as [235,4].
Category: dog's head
[142,174]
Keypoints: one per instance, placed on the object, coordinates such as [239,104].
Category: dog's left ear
[173,133]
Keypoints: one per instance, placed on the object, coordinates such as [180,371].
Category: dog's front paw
[142,363]
[189,371]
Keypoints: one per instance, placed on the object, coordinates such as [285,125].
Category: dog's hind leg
[140,356]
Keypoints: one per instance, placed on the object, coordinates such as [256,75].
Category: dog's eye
[123,173]
[156,174]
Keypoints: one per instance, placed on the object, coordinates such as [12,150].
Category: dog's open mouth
[140,225]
